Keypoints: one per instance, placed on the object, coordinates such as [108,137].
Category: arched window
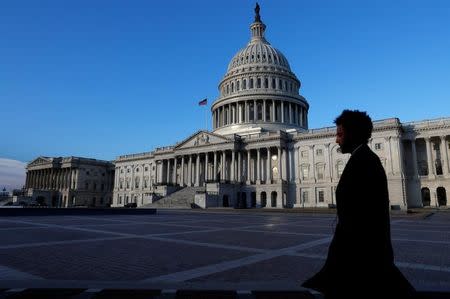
[274,83]
[232,86]
[251,83]
[238,85]
[280,84]
[228,89]
[244,84]
[258,83]
[426,198]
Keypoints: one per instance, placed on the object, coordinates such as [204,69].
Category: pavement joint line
[398,264]
[421,241]
[227,265]
[423,267]
[281,233]
[419,230]
[7,272]
[16,228]
[127,235]
[212,245]
[52,243]
[118,236]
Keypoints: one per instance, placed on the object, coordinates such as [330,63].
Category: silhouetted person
[360,261]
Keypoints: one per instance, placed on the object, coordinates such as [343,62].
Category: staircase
[181,199]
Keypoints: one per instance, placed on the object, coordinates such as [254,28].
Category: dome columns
[260,111]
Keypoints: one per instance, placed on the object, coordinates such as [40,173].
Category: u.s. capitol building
[262,154]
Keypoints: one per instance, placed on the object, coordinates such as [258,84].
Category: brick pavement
[179,248]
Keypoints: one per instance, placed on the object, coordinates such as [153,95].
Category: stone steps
[180,199]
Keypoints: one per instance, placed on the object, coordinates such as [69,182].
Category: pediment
[202,138]
[40,161]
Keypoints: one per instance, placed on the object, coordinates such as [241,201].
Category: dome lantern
[257,28]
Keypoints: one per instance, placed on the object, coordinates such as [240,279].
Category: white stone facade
[70,181]
[261,153]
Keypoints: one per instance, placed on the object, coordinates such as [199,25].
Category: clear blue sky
[106,78]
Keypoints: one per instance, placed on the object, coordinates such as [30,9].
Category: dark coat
[360,256]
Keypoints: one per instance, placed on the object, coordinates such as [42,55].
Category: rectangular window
[305,172]
[321,196]
[320,171]
[304,154]
[378,146]
[319,152]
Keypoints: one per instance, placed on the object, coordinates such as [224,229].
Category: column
[258,166]
[282,111]
[215,167]
[70,179]
[157,162]
[444,155]
[206,168]
[229,114]
[182,172]
[389,166]
[248,168]
[414,156]
[168,172]
[299,115]
[233,169]
[328,157]
[264,111]
[429,157]
[197,170]
[287,154]
[273,111]
[239,168]
[222,175]
[174,174]
[280,174]
[255,111]
[189,174]
[268,171]
[313,164]
[246,109]
[291,118]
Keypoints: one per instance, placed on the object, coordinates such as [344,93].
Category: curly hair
[357,124]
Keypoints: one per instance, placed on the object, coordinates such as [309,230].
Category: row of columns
[271,110]
[50,178]
[430,159]
[227,165]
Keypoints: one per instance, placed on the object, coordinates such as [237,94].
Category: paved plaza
[173,248]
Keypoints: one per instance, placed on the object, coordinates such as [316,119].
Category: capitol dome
[259,92]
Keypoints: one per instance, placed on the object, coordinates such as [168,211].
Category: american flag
[203,102]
